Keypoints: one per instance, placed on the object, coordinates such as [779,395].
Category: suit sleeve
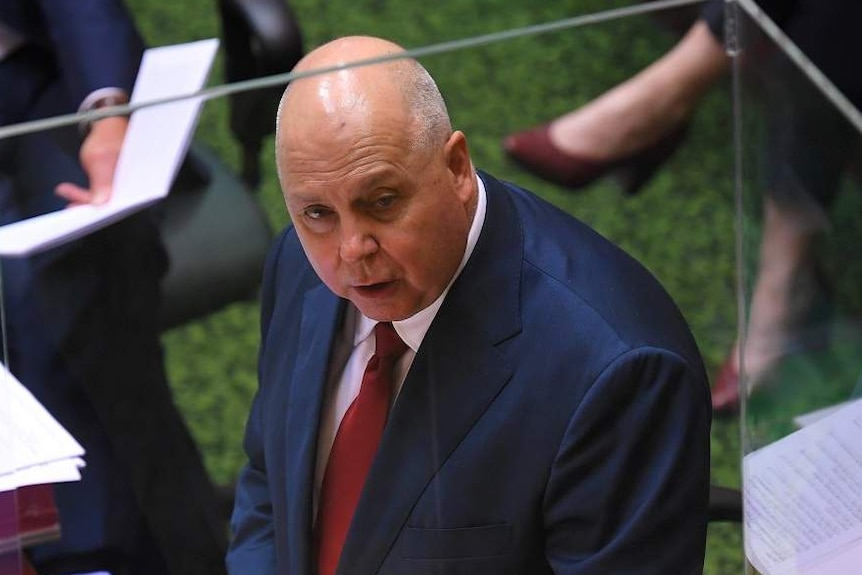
[629,487]
[252,548]
[95,42]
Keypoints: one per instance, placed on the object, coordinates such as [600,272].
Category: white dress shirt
[355,346]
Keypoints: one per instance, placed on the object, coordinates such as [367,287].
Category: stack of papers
[803,498]
[34,447]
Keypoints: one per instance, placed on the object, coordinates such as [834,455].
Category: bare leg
[785,286]
[641,110]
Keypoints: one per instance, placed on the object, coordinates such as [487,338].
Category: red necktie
[354,447]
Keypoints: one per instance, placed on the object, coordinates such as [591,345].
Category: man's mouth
[374,289]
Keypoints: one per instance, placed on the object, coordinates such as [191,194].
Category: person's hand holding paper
[141,165]
[99,155]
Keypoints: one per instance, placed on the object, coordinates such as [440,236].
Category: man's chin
[382,310]
[381,313]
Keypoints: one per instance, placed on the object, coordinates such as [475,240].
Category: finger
[74,194]
[99,194]
[101,174]
[99,155]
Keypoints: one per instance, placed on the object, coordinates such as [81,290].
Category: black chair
[214,229]
[261,38]
[725,504]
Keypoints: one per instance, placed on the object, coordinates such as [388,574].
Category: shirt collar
[413,329]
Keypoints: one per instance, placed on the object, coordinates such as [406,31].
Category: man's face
[383,225]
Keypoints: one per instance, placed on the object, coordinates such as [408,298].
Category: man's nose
[356,244]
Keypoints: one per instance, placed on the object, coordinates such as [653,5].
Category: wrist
[113,99]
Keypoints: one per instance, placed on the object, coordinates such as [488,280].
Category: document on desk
[803,499]
[808,418]
[156,142]
[34,447]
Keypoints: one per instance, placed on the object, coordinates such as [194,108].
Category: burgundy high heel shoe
[809,329]
[534,151]
[725,390]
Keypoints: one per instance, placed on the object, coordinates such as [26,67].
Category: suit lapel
[455,376]
[321,315]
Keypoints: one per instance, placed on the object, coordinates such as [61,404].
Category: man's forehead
[357,186]
[354,90]
[336,123]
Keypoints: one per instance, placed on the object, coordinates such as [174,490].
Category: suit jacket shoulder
[565,260]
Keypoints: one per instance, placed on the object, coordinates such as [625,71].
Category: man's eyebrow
[363,186]
[369,183]
[303,198]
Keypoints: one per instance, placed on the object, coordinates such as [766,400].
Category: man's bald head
[380,190]
[358,98]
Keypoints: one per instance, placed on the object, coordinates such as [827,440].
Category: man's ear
[459,164]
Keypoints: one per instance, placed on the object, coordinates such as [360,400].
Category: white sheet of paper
[155,144]
[34,447]
[54,472]
[806,419]
[803,499]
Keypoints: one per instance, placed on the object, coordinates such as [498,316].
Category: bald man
[547,411]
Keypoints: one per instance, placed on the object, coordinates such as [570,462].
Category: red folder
[28,516]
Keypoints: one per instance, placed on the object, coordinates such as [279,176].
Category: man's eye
[384,201]
[316,213]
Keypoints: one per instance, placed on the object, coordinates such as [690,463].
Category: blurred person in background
[633,128]
[82,319]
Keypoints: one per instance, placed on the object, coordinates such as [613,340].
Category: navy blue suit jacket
[75,33]
[555,419]
[64,60]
